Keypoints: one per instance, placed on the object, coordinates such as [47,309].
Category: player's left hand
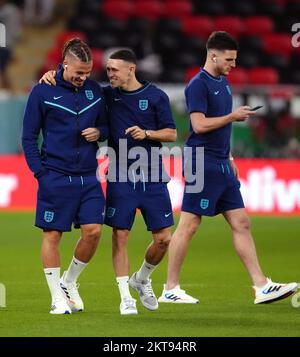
[234,168]
[136,132]
[49,78]
[91,134]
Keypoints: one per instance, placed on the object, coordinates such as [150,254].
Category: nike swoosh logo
[49,273]
[167,214]
[217,92]
[117,99]
[55,98]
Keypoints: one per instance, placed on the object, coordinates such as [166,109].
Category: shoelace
[73,288]
[148,288]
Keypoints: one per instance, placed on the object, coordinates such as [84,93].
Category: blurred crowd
[13,15]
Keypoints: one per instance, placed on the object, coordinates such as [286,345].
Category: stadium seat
[191,72]
[200,26]
[249,59]
[231,24]
[238,76]
[53,58]
[97,60]
[210,7]
[241,8]
[263,75]
[151,10]
[64,36]
[177,8]
[279,43]
[270,7]
[258,25]
[119,9]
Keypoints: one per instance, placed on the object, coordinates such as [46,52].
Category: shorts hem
[54,228]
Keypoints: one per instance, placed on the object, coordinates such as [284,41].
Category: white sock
[145,271]
[123,286]
[74,270]
[52,276]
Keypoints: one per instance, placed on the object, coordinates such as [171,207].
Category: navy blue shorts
[63,200]
[221,191]
[124,198]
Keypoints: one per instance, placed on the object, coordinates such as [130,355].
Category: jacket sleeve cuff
[40,173]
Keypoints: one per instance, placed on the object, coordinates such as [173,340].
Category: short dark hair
[221,40]
[125,55]
[77,48]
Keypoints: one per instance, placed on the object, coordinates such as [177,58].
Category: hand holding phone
[256,108]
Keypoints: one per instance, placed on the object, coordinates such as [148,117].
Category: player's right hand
[48,78]
[242,113]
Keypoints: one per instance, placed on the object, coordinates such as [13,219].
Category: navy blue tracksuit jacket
[61,112]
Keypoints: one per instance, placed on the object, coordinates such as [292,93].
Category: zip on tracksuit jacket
[62,112]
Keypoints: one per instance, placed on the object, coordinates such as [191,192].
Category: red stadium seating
[151,10]
[238,76]
[279,43]
[200,26]
[177,8]
[68,35]
[191,72]
[263,75]
[258,25]
[119,9]
[97,60]
[232,24]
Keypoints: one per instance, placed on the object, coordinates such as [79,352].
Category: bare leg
[244,244]
[158,248]
[50,251]
[119,251]
[87,244]
[178,247]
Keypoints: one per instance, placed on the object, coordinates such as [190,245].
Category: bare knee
[120,238]
[92,234]
[51,238]
[188,225]
[162,238]
[241,224]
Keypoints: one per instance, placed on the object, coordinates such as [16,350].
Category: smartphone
[256,108]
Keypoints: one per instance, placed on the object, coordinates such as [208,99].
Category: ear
[132,69]
[213,57]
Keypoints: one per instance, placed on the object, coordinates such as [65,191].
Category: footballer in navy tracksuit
[66,164]
[148,108]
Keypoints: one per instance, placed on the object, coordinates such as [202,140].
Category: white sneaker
[128,306]
[273,292]
[144,288]
[70,292]
[60,307]
[177,296]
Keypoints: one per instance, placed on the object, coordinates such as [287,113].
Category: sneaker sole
[163,300]
[128,313]
[277,298]
[62,313]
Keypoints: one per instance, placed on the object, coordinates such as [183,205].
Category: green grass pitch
[211,271]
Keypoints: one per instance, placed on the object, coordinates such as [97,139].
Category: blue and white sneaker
[273,291]
[60,307]
[176,296]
